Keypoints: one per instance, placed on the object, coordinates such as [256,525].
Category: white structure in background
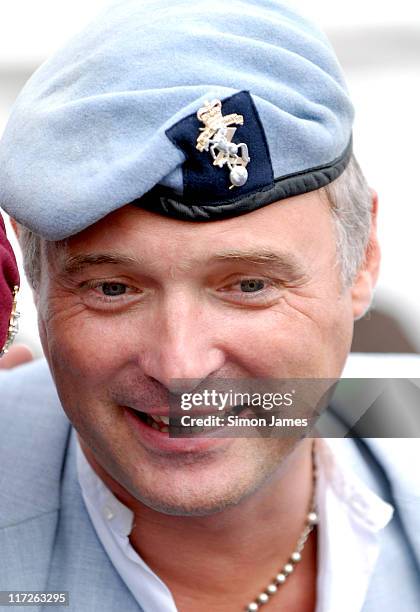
[379,47]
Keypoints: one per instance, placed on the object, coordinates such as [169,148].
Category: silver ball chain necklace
[287,569]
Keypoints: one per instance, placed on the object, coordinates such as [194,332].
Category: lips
[154,435]
[159,422]
[165,423]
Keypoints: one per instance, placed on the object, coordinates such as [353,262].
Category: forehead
[298,225]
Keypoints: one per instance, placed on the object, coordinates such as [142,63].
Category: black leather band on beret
[162,200]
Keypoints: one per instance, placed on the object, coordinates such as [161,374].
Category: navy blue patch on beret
[204,183]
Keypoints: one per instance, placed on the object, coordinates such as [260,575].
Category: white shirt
[350,517]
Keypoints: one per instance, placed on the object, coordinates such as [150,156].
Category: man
[190,211]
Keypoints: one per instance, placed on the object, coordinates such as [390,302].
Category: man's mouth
[173,425]
[160,423]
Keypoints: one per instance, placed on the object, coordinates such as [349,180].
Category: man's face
[139,300]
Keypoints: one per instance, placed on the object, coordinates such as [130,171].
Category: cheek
[84,360]
[320,334]
[301,336]
[82,350]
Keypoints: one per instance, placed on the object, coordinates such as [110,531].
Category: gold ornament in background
[13,323]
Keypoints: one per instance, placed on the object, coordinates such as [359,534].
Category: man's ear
[365,281]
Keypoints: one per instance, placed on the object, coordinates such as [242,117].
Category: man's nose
[183,346]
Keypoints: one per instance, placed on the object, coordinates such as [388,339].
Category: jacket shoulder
[33,439]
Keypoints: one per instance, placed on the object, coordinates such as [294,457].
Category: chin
[200,492]
[199,503]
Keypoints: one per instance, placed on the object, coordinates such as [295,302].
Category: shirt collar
[351,517]
[116,515]
[363,505]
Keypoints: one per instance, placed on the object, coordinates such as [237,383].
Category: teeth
[160,419]
[156,422]
[155,417]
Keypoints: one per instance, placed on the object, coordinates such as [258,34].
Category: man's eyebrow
[284,262]
[77,263]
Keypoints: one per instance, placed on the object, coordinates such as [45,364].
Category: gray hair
[349,198]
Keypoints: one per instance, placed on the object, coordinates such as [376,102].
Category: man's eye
[113,289]
[252,285]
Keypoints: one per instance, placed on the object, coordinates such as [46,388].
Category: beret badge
[216,137]
[13,324]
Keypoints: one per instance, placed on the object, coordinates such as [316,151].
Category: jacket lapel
[399,460]
[25,553]
[79,563]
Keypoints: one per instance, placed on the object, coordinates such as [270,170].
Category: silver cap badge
[216,137]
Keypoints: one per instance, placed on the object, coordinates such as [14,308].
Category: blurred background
[378,45]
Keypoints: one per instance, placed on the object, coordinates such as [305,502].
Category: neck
[228,556]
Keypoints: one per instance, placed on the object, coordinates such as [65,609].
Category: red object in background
[9,280]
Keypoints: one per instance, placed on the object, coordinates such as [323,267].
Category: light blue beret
[196,109]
